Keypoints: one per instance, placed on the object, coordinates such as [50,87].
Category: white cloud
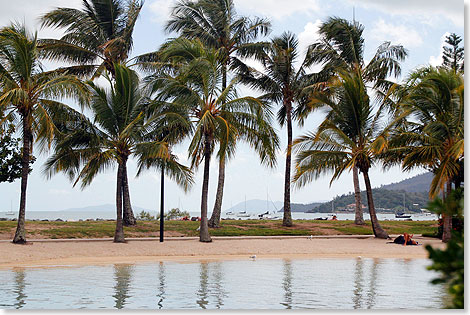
[437,61]
[278,9]
[29,12]
[161,10]
[309,35]
[397,34]
[425,10]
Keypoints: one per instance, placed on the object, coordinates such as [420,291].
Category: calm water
[248,284]
[77,215]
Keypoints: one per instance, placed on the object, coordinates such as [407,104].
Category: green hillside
[418,183]
[383,198]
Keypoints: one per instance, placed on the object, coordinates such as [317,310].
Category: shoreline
[99,252]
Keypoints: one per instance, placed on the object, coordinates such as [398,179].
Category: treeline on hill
[387,199]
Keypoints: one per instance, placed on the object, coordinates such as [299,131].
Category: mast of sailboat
[245,203]
[403,202]
[267,198]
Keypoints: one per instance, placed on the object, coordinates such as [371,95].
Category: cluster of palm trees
[189,90]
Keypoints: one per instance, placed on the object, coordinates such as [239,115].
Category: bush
[174,213]
[145,216]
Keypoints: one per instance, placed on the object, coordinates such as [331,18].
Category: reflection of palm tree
[358,278]
[19,288]
[373,284]
[219,291]
[161,284]
[287,284]
[122,275]
[202,292]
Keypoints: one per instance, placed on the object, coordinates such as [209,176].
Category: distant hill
[105,207]
[383,198]
[301,207]
[418,183]
[256,206]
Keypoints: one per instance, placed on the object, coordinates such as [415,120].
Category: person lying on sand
[405,239]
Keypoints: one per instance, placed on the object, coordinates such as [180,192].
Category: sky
[419,25]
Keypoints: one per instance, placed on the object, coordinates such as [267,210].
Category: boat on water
[243,214]
[229,213]
[402,215]
[9,213]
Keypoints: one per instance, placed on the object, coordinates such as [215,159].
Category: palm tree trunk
[447,218]
[287,220]
[20,234]
[119,233]
[204,228]
[128,215]
[214,221]
[359,218]
[162,204]
[378,231]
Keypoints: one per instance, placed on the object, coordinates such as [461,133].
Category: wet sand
[58,253]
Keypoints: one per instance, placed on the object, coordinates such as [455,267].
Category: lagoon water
[228,284]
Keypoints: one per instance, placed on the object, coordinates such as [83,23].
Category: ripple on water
[245,284]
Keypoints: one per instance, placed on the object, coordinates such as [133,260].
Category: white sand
[105,252]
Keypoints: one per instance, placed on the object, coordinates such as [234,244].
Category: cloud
[397,34]
[437,61]
[30,11]
[426,10]
[161,10]
[278,9]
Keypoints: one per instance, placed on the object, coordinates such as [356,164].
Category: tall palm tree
[119,130]
[217,25]
[28,92]
[283,84]
[433,134]
[96,36]
[341,48]
[219,116]
[350,136]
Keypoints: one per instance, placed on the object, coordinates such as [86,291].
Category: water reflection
[372,294]
[161,285]
[218,285]
[287,283]
[358,279]
[122,276]
[20,285]
[263,284]
[203,281]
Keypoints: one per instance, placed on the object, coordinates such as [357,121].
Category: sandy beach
[54,253]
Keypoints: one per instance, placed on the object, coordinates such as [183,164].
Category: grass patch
[99,229]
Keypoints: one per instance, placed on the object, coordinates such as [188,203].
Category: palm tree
[350,136]
[217,25]
[119,130]
[283,85]
[433,134]
[96,37]
[219,116]
[28,92]
[341,48]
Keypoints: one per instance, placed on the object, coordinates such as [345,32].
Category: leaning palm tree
[433,134]
[119,129]
[283,84]
[219,116]
[341,48]
[96,37]
[350,136]
[28,92]
[217,25]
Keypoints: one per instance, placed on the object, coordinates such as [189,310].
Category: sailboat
[401,214]
[11,209]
